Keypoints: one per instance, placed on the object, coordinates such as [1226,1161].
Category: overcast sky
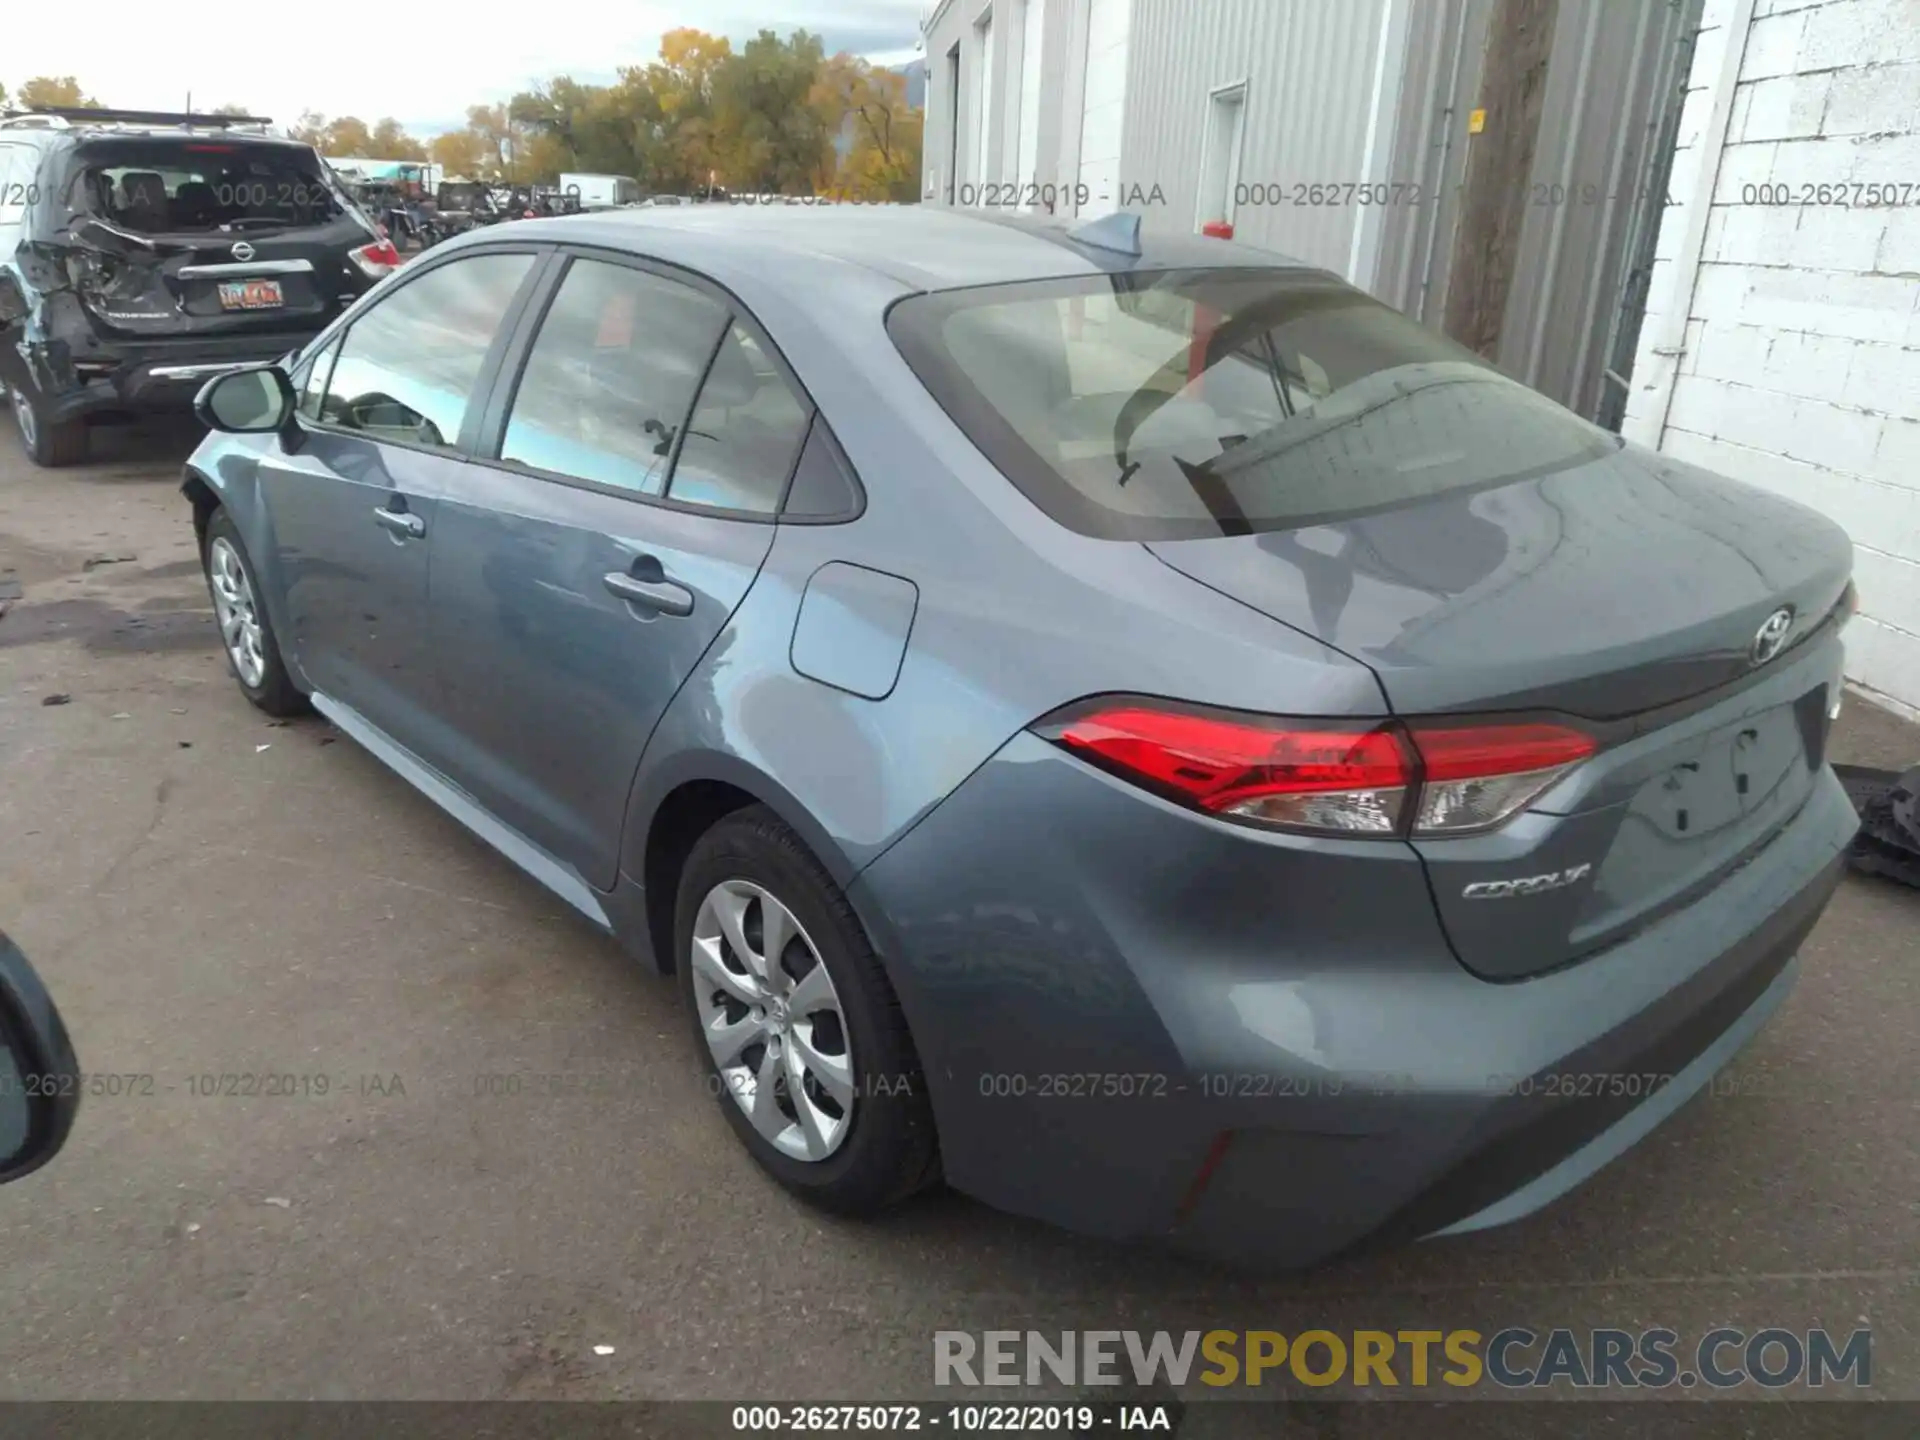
[422,64]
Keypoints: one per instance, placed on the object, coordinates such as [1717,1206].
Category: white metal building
[1782,341]
[1335,131]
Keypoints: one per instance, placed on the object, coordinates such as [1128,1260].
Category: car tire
[886,1148]
[49,446]
[246,632]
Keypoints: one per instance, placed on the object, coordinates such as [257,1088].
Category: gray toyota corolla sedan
[1134,727]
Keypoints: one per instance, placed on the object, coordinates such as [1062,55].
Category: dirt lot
[210,894]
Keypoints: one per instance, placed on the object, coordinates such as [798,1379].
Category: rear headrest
[143,192]
[732,380]
[143,187]
[196,203]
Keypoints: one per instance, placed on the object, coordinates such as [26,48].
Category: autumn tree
[309,129]
[866,106]
[457,152]
[498,140]
[51,90]
[390,142]
[778,116]
[687,153]
[768,136]
[228,109]
[348,136]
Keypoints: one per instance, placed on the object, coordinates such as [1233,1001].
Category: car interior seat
[142,203]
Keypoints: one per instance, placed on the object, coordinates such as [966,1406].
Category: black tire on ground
[51,446]
[890,1151]
[276,693]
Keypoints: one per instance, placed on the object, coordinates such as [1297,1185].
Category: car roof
[920,247]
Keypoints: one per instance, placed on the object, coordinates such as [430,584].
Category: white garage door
[1108,22]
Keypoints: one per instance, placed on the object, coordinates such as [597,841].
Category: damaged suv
[142,252]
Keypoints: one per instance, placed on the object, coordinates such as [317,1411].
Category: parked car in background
[141,252]
[1138,727]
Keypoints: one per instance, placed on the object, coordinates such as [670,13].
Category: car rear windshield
[170,187]
[1183,404]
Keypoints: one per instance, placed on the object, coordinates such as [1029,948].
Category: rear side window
[745,433]
[187,186]
[407,368]
[1186,404]
[611,377]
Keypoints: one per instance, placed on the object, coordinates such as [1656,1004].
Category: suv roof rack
[67,116]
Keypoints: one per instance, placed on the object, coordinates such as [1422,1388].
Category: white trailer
[601,192]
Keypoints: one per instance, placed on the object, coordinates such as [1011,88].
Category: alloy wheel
[234,608]
[772,1020]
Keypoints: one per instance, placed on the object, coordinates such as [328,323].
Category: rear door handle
[662,595]
[400,522]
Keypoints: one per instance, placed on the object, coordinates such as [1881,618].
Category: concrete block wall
[1799,368]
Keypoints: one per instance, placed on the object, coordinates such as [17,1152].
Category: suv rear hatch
[211,237]
[1281,438]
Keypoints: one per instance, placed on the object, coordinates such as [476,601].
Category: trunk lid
[1607,589]
[1629,591]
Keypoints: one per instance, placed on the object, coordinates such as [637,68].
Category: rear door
[637,460]
[386,412]
[213,236]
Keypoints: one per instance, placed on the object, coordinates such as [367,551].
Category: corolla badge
[1772,636]
[242,250]
[1531,885]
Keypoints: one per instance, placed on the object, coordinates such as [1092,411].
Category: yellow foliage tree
[54,90]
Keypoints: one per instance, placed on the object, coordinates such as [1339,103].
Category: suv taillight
[1366,778]
[377,259]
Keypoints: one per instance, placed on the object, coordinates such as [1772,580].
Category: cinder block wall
[1800,364]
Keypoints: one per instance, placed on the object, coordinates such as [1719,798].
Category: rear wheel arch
[680,806]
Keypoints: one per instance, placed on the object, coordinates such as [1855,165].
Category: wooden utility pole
[1493,201]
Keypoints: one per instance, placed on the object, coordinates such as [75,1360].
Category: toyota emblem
[1772,636]
[242,250]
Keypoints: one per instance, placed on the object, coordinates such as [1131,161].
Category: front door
[352,504]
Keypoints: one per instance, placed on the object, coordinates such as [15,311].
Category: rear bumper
[90,375]
[1130,1030]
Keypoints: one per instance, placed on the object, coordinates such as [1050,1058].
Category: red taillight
[377,259]
[1473,777]
[1475,752]
[1363,778]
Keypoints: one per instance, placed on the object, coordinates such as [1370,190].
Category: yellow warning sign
[1476,122]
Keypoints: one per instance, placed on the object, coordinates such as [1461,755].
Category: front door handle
[400,522]
[662,595]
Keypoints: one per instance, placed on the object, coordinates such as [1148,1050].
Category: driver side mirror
[13,300]
[255,401]
[39,1076]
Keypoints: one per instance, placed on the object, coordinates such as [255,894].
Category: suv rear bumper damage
[77,373]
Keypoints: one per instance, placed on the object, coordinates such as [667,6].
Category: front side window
[407,369]
[310,379]
[1186,404]
[745,433]
[611,377]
